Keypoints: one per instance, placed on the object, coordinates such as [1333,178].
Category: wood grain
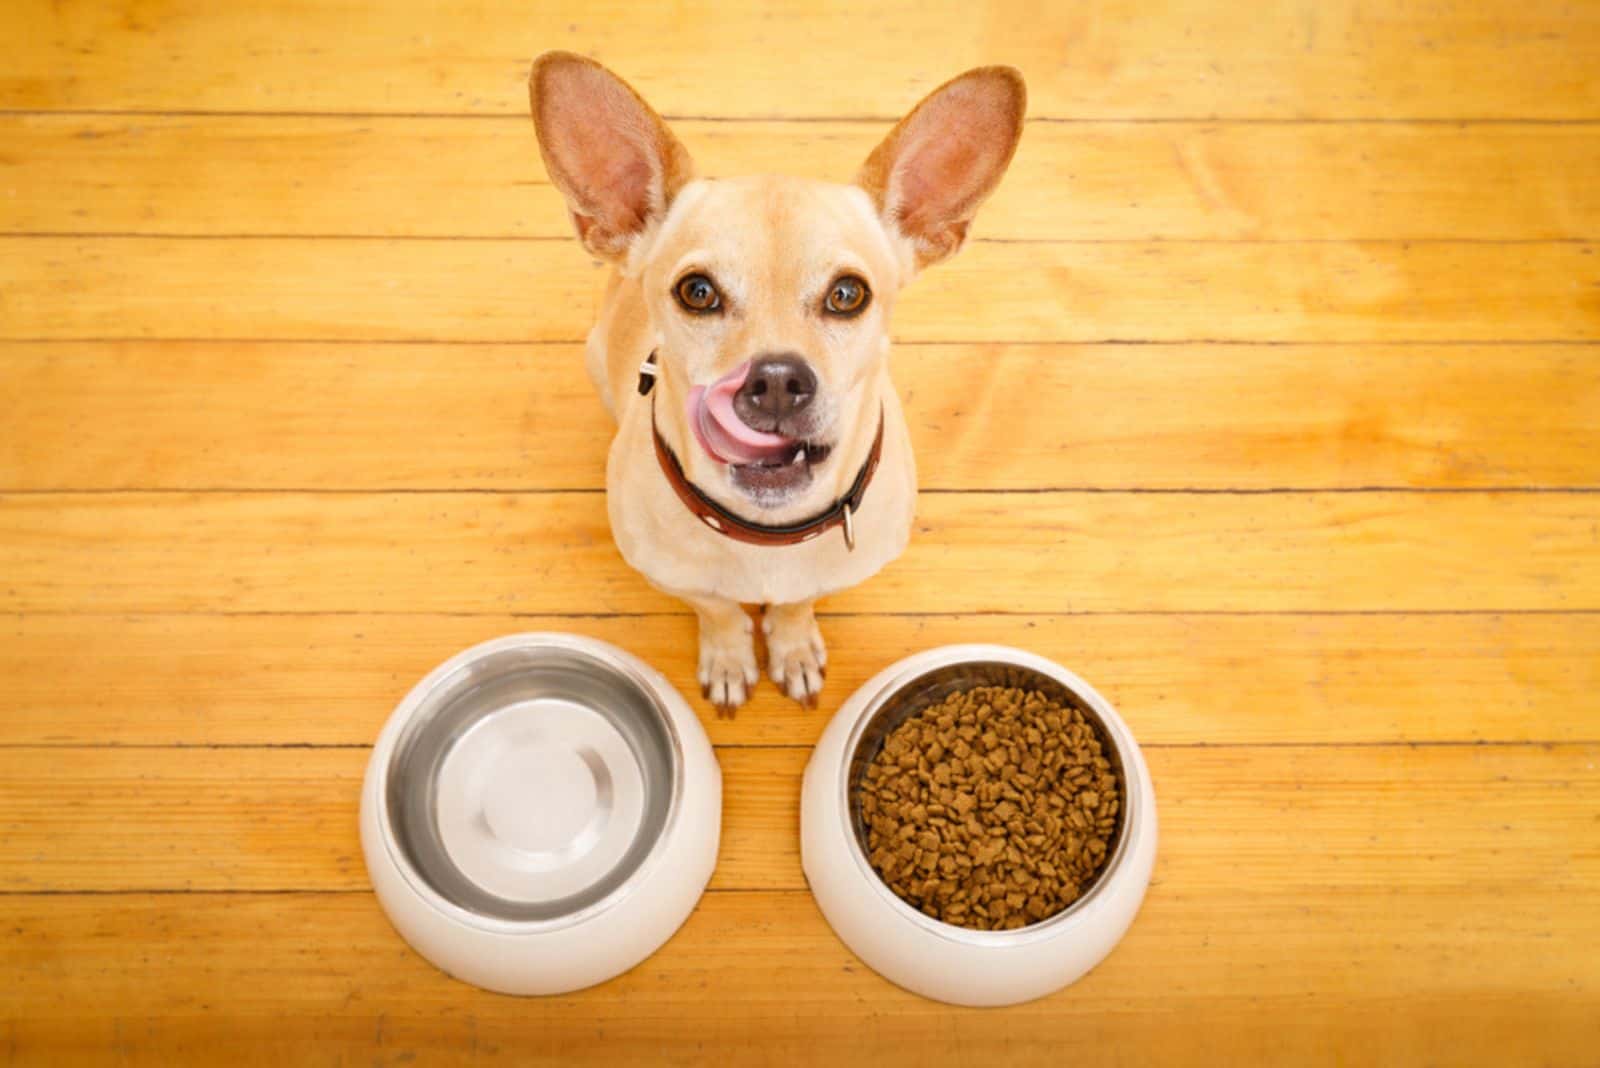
[1134,181]
[1043,552]
[242,415]
[289,979]
[1105,59]
[1275,823]
[1184,680]
[472,290]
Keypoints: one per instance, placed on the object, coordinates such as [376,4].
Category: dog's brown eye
[848,296]
[698,294]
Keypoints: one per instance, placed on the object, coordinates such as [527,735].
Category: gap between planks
[1087,613]
[1438,743]
[939,491]
[538,239]
[858,120]
[899,343]
[548,239]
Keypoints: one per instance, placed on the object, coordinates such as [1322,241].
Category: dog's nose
[778,386]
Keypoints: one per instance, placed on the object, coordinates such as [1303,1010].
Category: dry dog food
[992,809]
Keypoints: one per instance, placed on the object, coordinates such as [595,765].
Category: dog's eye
[698,294]
[848,296]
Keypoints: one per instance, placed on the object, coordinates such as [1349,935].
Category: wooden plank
[1107,59]
[484,290]
[1464,976]
[1043,552]
[1276,821]
[310,175]
[332,680]
[195,415]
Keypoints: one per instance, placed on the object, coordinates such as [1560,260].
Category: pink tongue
[722,433]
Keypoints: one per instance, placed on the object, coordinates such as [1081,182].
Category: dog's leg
[796,657]
[728,670]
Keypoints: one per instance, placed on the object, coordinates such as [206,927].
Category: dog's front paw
[728,670]
[796,657]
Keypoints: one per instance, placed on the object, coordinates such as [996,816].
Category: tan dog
[761,455]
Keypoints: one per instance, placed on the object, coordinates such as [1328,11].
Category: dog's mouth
[769,482]
[769,466]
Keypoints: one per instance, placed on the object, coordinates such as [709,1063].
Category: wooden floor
[1267,396]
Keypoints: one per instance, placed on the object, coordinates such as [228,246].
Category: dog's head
[769,297]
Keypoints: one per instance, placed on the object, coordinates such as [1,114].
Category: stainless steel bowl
[541,812]
[905,945]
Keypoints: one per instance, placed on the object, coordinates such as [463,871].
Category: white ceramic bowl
[907,947]
[540,813]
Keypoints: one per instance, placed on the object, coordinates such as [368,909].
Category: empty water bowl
[540,813]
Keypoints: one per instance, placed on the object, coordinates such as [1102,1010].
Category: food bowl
[540,813]
[938,960]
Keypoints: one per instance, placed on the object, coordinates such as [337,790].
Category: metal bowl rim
[919,664]
[607,656]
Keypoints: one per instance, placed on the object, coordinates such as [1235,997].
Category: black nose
[778,387]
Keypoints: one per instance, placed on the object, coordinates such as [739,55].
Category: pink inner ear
[936,182]
[950,156]
[604,146]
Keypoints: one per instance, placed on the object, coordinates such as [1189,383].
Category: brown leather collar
[724,522]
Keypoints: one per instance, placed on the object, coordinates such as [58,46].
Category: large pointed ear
[610,155]
[942,160]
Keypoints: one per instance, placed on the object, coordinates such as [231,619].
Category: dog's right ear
[610,155]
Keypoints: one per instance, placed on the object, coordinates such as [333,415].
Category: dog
[761,454]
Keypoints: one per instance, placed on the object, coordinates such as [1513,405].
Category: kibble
[992,809]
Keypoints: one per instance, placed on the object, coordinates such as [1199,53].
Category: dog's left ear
[944,159]
[610,155]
